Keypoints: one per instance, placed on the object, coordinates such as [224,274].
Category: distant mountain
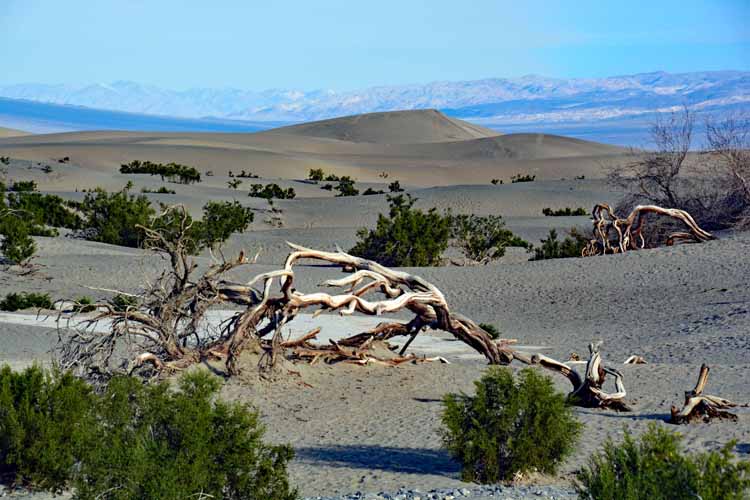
[532,99]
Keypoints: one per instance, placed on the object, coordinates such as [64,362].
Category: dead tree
[702,407]
[613,234]
[587,390]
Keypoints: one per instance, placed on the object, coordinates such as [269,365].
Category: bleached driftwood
[702,407]
[613,234]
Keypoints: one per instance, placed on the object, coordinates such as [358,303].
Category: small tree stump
[702,407]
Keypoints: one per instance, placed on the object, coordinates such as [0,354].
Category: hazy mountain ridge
[524,99]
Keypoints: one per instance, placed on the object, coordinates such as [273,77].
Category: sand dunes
[10,132]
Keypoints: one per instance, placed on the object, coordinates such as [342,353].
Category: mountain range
[584,107]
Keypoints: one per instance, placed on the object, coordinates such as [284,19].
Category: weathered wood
[702,407]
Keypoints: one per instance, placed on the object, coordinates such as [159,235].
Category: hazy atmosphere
[386,251]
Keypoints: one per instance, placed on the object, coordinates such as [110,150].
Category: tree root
[702,407]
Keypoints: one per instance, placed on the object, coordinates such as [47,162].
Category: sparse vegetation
[17,246]
[346,187]
[122,302]
[371,191]
[316,174]
[395,187]
[23,186]
[657,468]
[25,300]
[483,238]
[234,183]
[135,441]
[522,178]
[220,221]
[406,236]
[271,191]
[509,426]
[562,212]
[247,175]
[495,182]
[173,172]
[114,217]
[552,248]
[491,329]
[327,187]
[161,190]
[5,160]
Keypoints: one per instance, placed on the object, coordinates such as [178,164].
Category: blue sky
[352,44]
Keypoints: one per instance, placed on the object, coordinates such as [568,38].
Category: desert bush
[490,329]
[5,160]
[161,190]
[247,175]
[44,210]
[562,212]
[25,300]
[345,187]
[121,302]
[395,187]
[332,178]
[45,421]
[17,246]
[84,304]
[483,238]
[495,182]
[657,468]
[371,191]
[327,187]
[316,174]
[135,441]
[552,248]
[234,183]
[271,191]
[522,178]
[173,172]
[406,236]
[509,426]
[220,220]
[23,186]
[114,217]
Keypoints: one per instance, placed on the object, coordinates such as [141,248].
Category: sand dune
[394,127]
[11,132]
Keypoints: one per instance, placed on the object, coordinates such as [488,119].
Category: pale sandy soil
[373,429]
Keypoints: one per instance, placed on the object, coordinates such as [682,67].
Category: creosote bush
[346,187]
[522,178]
[657,468]
[114,217]
[553,248]
[406,236]
[25,300]
[173,172]
[271,191]
[483,238]
[509,426]
[17,246]
[561,212]
[490,329]
[135,441]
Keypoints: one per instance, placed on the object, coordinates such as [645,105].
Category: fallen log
[702,407]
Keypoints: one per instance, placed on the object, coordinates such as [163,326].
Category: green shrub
[44,210]
[23,186]
[490,329]
[483,238]
[135,441]
[371,191]
[395,187]
[45,420]
[17,246]
[345,187]
[161,190]
[657,468]
[5,160]
[246,175]
[564,211]
[220,220]
[173,172]
[327,187]
[406,237]
[271,191]
[234,183]
[495,182]
[113,217]
[332,178]
[121,302]
[24,300]
[84,304]
[316,174]
[508,426]
[522,178]
[552,248]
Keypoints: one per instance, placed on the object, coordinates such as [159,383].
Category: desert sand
[377,429]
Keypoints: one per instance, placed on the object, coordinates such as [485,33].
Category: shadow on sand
[403,460]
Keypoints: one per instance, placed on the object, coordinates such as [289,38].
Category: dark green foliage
[114,217]
[552,248]
[327,187]
[167,444]
[522,178]
[246,175]
[316,174]
[220,220]
[564,211]
[490,329]
[17,246]
[84,304]
[173,172]
[45,419]
[161,190]
[136,441]
[234,183]
[23,186]
[271,191]
[509,426]
[346,187]
[44,210]
[483,238]
[657,468]
[406,237]
[332,178]
[5,160]
[371,191]
[24,300]
[395,187]
[121,302]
